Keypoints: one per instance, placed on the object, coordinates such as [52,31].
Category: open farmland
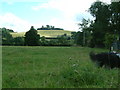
[54,67]
[46,33]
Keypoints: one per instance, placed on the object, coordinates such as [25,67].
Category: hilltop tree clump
[31,37]
[48,27]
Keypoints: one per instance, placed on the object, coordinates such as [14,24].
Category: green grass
[54,67]
[0,67]
[46,33]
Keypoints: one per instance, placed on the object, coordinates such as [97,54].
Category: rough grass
[54,67]
[46,33]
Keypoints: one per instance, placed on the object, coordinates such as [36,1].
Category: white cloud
[13,1]
[11,21]
[70,9]
[66,24]
[68,6]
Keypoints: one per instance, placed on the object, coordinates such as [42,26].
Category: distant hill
[46,33]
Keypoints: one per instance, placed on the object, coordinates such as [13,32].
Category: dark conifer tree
[31,37]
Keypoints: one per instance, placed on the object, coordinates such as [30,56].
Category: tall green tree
[84,26]
[32,37]
[115,18]
[100,11]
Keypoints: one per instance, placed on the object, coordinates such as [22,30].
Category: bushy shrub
[18,41]
[7,38]
[63,40]
[109,39]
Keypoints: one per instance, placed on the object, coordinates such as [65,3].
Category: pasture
[46,33]
[54,67]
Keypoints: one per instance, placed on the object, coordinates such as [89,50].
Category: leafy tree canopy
[31,37]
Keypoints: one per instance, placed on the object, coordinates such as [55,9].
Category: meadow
[54,67]
[46,33]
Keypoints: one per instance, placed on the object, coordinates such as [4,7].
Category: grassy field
[46,33]
[54,67]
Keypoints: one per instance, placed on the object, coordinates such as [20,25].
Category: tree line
[48,27]
[32,38]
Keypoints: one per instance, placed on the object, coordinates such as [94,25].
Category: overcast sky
[20,15]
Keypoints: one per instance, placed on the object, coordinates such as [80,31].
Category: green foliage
[31,37]
[63,40]
[86,34]
[7,38]
[43,41]
[99,33]
[101,13]
[109,39]
[18,41]
[53,42]
[115,17]
[78,38]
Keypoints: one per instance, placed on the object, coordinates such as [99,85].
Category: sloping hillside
[46,33]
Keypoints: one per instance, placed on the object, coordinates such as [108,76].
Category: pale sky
[20,15]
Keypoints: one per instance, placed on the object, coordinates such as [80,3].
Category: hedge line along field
[46,33]
[54,67]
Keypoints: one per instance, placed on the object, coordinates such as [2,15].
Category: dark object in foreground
[110,60]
